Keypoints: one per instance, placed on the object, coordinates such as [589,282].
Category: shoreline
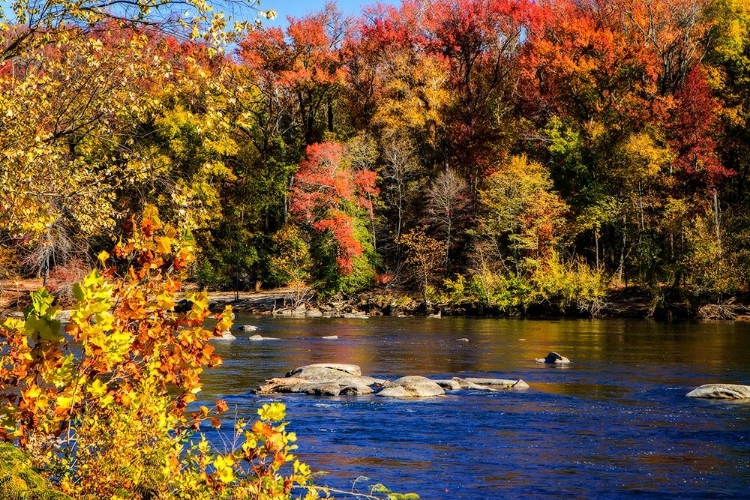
[621,304]
[632,303]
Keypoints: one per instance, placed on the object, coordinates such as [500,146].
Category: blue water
[615,423]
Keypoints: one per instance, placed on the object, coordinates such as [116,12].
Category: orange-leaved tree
[102,405]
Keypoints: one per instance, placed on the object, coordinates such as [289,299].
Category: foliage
[110,418]
[19,480]
[566,283]
[424,255]
[610,130]
[330,196]
[520,211]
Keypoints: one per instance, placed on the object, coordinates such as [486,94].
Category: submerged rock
[225,336]
[411,387]
[247,328]
[499,383]
[463,339]
[449,385]
[258,338]
[554,359]
[721,391]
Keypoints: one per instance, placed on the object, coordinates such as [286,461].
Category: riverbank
[631,303]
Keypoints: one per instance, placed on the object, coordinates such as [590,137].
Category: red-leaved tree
[327,194]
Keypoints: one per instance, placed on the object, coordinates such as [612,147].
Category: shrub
[102,407]
[566,283]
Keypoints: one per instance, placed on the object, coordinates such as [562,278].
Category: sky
[298,8]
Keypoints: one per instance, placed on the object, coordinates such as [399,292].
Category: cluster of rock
[333,379]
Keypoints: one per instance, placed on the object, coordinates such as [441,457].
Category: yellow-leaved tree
[102,405]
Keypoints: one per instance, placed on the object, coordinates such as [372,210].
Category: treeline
[496,151]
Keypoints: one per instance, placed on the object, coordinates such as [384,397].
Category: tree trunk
[620,271]
[716,220]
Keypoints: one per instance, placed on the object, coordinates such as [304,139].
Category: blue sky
[298,8]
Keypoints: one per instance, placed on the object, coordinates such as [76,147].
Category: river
[614,424]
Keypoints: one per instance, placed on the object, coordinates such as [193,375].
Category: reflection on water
[615,423]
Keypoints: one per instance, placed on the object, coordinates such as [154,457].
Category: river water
[615,423]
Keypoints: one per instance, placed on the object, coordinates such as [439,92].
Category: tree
[110,417]
[306,65]
[424,256]
[33,23]
[329,196]
[447,207]
[520,212]
[400,174]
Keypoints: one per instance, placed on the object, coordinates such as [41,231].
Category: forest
[502,152]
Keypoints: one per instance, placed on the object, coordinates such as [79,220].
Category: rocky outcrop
[338,379]
[341,367]
[324,379]
[411,387]
[721,391]
[554,359]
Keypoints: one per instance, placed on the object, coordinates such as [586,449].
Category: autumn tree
[302,62]
[447,207]
[424,256]
[38,23]
[329,197]
[522,216]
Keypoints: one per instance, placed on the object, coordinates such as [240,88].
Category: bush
[102,407]
[567,283]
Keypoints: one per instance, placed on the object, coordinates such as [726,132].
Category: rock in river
[334,379]
[554,359]
[721,391]
[224,336]
[323,379]
[342,367]
[411,387]
[258,338]
[498,383]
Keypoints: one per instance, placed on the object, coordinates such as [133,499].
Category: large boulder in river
[554,359]
[411,387]
[325,374]
[322,379]
[721,391]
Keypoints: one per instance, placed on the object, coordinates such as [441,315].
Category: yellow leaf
[64,402]
[103,256]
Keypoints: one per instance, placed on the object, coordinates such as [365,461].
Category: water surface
[615,423]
